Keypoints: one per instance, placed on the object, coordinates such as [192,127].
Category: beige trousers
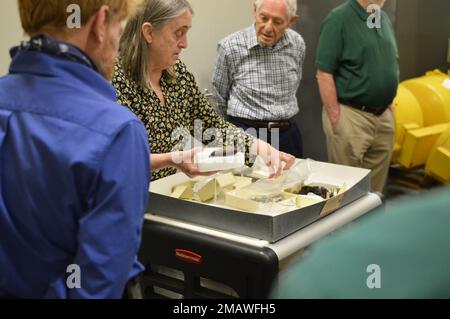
[362,139]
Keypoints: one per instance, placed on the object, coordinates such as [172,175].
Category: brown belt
[282,125]
[377,111]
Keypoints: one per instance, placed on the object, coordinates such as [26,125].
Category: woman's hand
[273,158]
[185,162]
[181,160]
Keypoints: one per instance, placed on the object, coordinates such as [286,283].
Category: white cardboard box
[268,225]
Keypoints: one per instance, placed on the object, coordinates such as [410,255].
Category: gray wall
[423,30]
[213,20]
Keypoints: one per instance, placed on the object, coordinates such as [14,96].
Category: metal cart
[184,260]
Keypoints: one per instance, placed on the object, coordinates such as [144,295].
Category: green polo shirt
[401,253]
[364,61]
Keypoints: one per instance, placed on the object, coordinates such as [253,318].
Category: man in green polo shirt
[358,74]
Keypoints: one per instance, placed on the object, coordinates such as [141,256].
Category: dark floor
[404,182]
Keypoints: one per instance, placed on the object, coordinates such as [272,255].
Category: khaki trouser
[362,139]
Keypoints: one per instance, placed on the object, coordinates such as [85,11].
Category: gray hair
[290,4]
[133,47]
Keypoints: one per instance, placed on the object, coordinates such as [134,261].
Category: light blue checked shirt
[256,82]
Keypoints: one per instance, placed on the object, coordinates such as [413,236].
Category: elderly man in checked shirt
[257,75]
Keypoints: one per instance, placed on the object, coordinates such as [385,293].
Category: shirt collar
[252,40]
[46,44]
[67,62]
[362,13]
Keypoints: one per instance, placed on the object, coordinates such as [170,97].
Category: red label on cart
[188,256]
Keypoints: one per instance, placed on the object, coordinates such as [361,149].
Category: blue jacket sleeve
[109,234]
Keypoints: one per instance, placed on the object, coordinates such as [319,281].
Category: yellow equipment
[433,96]
[408,116]
[422,115]
[438,164]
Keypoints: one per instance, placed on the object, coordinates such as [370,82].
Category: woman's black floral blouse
[184,105]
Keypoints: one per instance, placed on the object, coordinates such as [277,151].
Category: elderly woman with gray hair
[152,82]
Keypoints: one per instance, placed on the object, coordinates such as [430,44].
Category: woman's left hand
[273,158]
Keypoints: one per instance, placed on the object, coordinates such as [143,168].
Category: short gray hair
[133,47]
[290,4]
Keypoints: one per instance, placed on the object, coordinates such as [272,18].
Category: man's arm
[221,81]
[109,232]
[328,93]
[301,61]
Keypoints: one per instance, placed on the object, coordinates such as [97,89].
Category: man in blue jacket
[74,166]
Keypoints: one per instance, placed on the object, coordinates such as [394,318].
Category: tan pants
[362,139]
